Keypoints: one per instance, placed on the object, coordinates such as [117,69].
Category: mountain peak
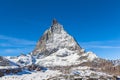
[55,39]
[54,21]
[56,27]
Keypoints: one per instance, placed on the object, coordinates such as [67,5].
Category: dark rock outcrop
[9,71]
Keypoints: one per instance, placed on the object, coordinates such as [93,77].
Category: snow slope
[85,71]
[32,76]
[65,57]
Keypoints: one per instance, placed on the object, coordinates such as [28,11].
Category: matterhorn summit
[56,47]
[55,39]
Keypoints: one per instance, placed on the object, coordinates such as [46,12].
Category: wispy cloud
[15,45]
[8,41]
[101,44]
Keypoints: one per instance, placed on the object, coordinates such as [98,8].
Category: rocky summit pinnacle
[55,21]
[55,39]
[56,27]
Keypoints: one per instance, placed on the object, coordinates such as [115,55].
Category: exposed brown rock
[103,66]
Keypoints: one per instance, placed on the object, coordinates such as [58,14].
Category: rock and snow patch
[90,56]
[63,52]
[22,60]
[25,60]
[85,71]
[115,62]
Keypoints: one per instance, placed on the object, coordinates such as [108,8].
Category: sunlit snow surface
[65,57]
[50,74]
[8,67]
[32,76]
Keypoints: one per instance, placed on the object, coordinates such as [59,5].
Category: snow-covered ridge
[22,60]
[90,56]
[65,57]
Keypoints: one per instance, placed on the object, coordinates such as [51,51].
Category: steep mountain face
[56,39]
[57,48]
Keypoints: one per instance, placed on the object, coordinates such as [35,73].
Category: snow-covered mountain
[62,57]
[55,39]
[57,48]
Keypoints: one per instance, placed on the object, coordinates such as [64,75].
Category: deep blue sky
[95,24]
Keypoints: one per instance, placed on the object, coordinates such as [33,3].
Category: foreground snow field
[32,76]
[68,74]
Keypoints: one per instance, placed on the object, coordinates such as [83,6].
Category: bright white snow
[65,57]
[8,67]
[32,76]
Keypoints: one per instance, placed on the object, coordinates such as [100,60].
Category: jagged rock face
[56,38]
